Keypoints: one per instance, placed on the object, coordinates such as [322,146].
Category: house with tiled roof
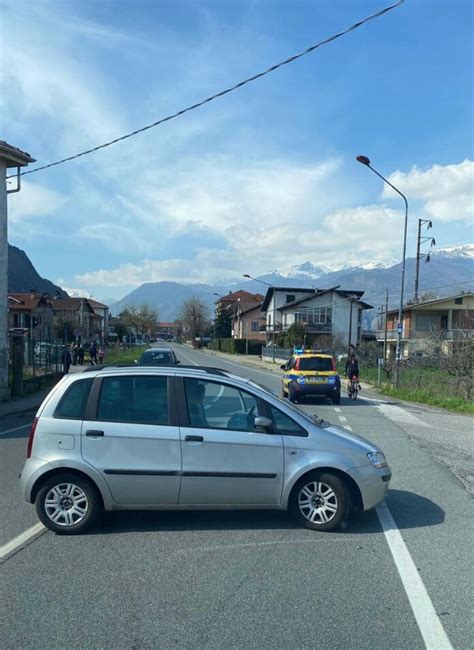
[31,314]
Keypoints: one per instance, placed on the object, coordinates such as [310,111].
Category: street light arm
[389,183]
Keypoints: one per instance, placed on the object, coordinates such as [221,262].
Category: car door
[132,438]
[226,460]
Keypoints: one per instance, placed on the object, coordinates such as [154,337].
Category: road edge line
[422,607]
[21,540]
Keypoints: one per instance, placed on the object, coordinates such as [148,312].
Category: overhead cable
[254,77]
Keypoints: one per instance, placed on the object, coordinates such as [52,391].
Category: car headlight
[331,380]
[377,458]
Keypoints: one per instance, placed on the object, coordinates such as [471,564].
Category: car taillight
[30,439]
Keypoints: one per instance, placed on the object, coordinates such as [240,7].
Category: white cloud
[447,191]
[33,201]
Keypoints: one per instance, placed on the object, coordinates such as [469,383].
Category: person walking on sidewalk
[80,355]
[66,359]
[93,353]
[101,354]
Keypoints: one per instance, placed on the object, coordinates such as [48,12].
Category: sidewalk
[28,403]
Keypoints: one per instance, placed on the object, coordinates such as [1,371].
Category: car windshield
[315,363]
[157,357]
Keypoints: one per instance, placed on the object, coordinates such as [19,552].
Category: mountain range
[448,272]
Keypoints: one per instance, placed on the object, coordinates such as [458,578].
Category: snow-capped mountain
[466,251]
[306,271]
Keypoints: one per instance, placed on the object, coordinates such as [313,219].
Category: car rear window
[315,363]
[73,403]
[156,358]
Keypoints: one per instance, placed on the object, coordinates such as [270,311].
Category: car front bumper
[373,484]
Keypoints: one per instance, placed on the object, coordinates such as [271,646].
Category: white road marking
[428,622]
[346,426]
[337,409]
[342,418]
[186,357]
[20,540]
[400,415]
[23,426]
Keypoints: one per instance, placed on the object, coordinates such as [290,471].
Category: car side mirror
[261,422]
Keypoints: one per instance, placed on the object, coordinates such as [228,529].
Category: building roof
[96,303]
[249,309]
[244,296]
[71,304]
[27,301]
[15,157]
[417,305]
[344,293]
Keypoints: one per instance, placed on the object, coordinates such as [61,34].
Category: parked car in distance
[158,357]
[137,437]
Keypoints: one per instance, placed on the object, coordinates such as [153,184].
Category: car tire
[292,397]
[68,504]
[336,399]
[320,501]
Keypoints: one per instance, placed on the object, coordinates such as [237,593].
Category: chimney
[32,293]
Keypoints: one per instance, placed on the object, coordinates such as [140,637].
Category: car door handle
[94,433]
[194,438]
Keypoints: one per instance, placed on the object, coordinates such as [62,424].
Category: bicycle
[353,387]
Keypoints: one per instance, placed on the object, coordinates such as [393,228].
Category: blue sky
[261,179]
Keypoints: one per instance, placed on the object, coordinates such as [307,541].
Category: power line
[254,77]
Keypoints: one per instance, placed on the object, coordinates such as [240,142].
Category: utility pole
[385,328]
[350,328]
[419,255]
[10,157]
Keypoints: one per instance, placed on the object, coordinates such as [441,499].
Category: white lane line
[23,426]
[337,409]
[232,363]
[20,540]
[346,426]
[432,631]
[342,418]
[186,357]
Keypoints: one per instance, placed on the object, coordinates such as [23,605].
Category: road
[398,577]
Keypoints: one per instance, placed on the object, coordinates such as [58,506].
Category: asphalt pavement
[396,577]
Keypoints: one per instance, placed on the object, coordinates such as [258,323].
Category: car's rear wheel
[291,396]
[68,504]
[336,399]
[320,501]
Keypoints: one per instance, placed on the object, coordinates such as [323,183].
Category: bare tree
[194,315]
[141,318]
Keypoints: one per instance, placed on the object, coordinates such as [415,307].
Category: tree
[194,314]
[223,325]
[142,319]
[295,335]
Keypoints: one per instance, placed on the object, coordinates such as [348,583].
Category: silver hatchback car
[126,438]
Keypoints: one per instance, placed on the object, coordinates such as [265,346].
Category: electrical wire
[254,77]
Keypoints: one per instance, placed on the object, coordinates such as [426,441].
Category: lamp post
[365,161]
[246,275]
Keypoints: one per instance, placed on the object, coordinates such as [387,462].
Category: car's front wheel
[320,501]
[67,504]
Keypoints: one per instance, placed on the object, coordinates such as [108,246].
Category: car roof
[309,355]
[125,368]
[158,350]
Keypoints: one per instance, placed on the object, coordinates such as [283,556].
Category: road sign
[380,362]
[399,328]
[76,332]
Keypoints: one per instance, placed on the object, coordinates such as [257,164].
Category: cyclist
[352,370]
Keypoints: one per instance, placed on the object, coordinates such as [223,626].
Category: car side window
[213,405]
[73,403]
[134,399]
[283,424]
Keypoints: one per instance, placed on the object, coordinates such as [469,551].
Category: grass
[127,355]
[431,386]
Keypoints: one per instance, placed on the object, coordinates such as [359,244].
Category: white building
[323,312]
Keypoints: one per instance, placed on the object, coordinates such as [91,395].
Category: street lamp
[365,161]
[246,275]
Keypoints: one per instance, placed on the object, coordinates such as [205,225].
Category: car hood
[346,438]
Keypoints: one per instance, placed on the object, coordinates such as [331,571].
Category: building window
[255,326]
[458,301]
[314,315]
[290,297]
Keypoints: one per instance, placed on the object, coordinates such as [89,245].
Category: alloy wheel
[66,504]
[318,502]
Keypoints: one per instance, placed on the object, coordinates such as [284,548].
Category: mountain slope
[22,275]
[446,274]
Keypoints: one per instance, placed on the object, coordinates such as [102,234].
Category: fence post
[17,366]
